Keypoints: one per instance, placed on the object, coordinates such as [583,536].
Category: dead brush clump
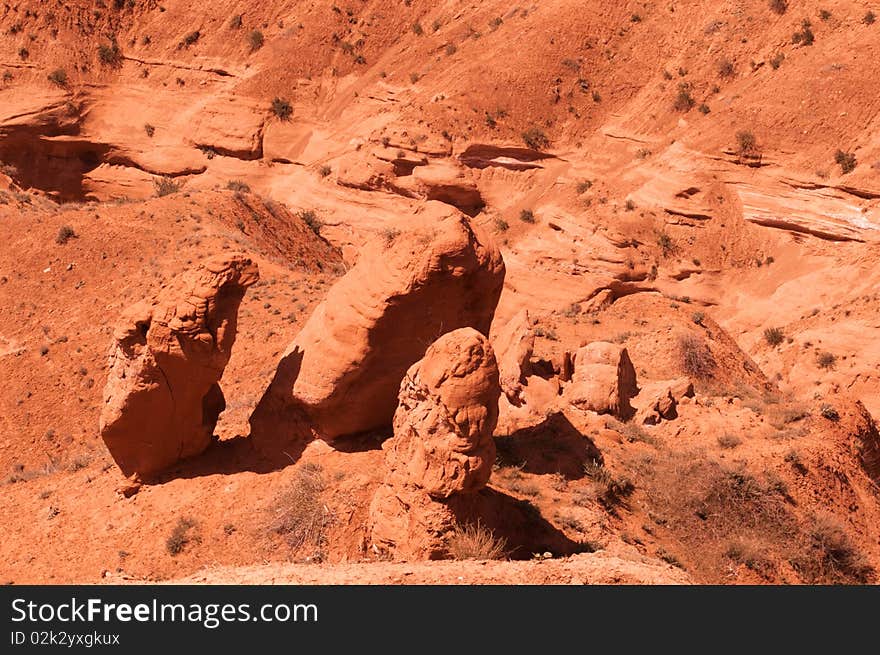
[613,489]
[708,506]
[475,541]
[833,557]
[184,532]
[695,358]
[299,513]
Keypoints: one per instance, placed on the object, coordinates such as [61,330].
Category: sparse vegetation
[58,77]
[527,216]
[613,490]
[149,129]
[256,40]
[774,336]
[238,186]
[190,39]
[728,440]
[310,218]
[181,535]
[846,160]
[501,225]
[282,109]
[584,186]
[805,36]
[828,412]
[839,559]
[535,138]
[165,186]
[324,171]
[664,240]
[695,357]
[299,513]
[869,18]
[110,55]
[779,6]
[475,541]
[746,143]
[826,360]
[65,234]
[725,68]
[776,60]
[684,101]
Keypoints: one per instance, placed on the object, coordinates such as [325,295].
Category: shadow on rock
[553,446]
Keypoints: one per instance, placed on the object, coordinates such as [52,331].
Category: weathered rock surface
[659,400]
[603,380]
[342,373]
[162,397]
[513,347]
[442,444]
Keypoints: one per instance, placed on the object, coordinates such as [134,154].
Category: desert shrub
[725,68]
[774,336]
[837,558]
[299,513]
[535,138]
[779,6]
[746,142]
[749,554]
[728,440]
[65,234]
[629,205]
[613,490]
[149,130]
[310,218]
[238,186]
[501,225]
[417,29]
[846,161]
[584,186]
[826,360]
[527,216]
[281,108]
[181,535]
[475,541]
[235,22]
[698,317]
[191,38]
[684,101]
[695,358]
[664,240]
[703,108]
[776,60]
[805,36]
[830,413]
[110,55]
[256,40]
[165,186]
[824,14]
[58,76]
[324,171]
[869,18]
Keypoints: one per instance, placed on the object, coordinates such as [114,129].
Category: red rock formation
[603,380]
[162,397]
[342,373]
[442,445]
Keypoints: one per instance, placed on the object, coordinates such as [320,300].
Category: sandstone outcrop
[342,373]
[662,400]
[513,347]
[603,380]
[162,397]
[442,445]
